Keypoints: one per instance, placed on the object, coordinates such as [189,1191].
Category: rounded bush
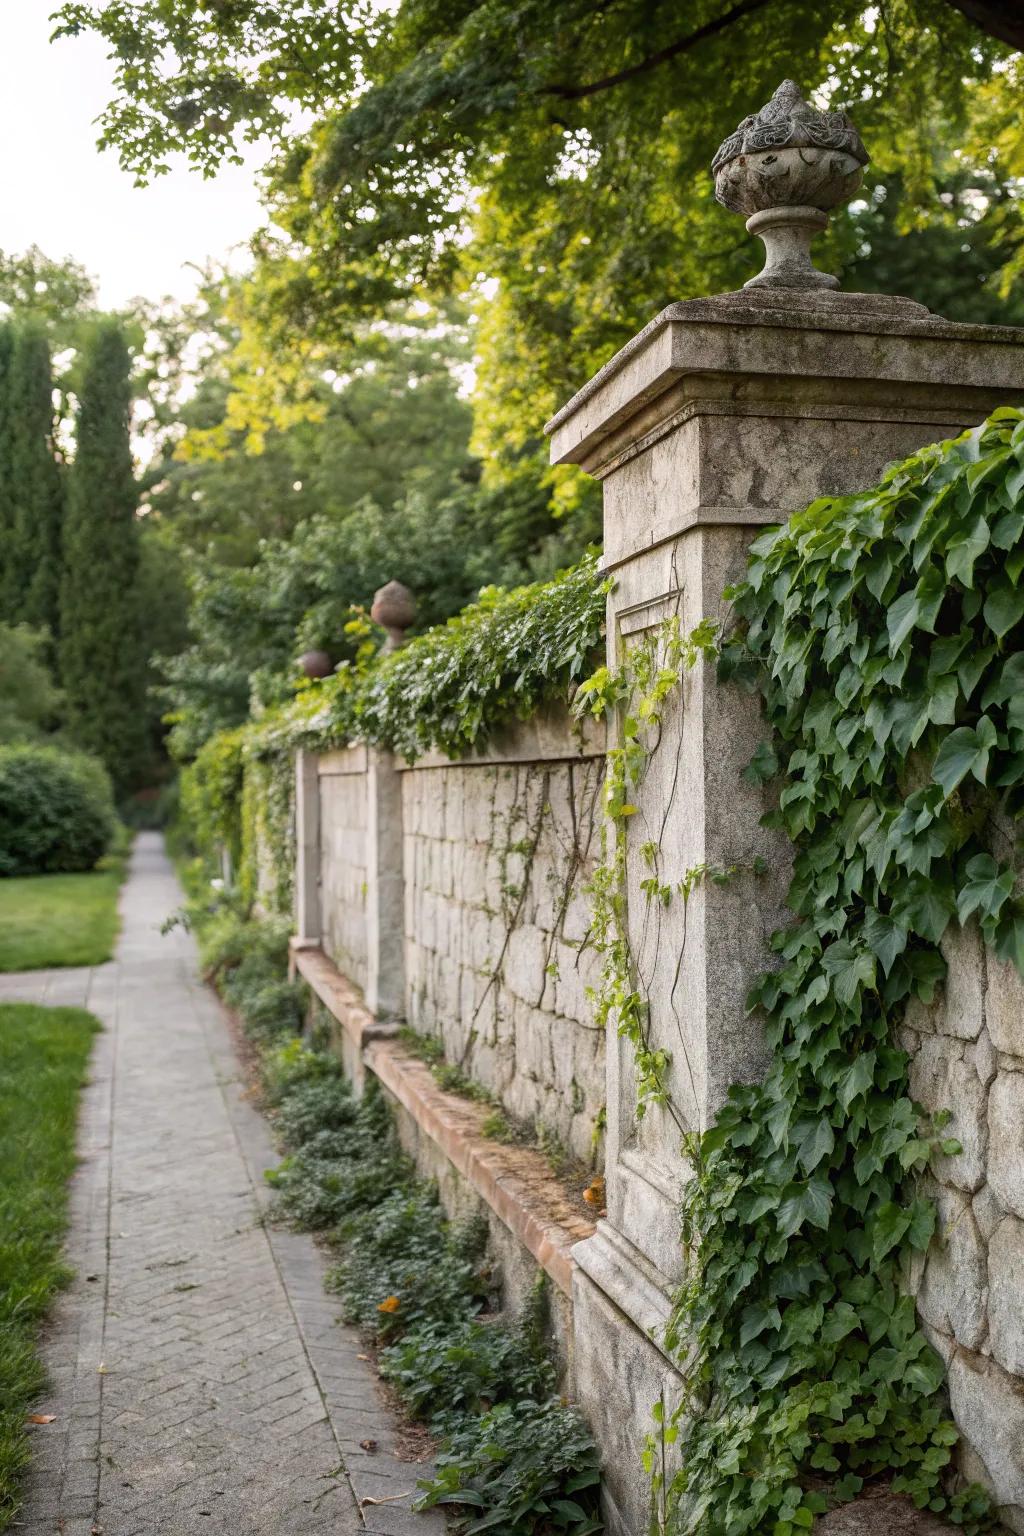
[56,811]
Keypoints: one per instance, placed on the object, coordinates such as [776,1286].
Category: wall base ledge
[515,1182]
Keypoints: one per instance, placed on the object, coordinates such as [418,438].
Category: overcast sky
[59,192]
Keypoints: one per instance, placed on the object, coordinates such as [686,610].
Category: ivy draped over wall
[498,661]
[883,630]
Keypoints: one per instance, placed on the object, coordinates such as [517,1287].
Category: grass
[53,920]
[44,1054]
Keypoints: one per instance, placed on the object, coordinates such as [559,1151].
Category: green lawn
[44,1054]
[59,919]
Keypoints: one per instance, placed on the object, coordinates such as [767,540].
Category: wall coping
[550,736]
[516,1183]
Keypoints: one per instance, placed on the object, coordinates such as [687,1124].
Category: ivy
[884,632]
[499,660]
[636,693]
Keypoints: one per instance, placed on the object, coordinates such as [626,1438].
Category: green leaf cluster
[499,660]
[884,631]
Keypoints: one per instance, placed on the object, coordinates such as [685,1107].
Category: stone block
[525,959]
[982,1057]
[1004,1006]
[1006,1141]
[988,1405]
[988,1213]
[954,1290]
[1006,1294]
[941,1080]
[959,1007]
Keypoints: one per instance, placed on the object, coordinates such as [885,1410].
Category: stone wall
[967,1057]
[343,859]
[496,854]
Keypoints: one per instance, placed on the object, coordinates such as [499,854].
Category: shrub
[56,811]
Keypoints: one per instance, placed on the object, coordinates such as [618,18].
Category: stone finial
[316,664]
[394,609]
[785,167]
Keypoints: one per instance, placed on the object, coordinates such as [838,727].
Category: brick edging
[516,1183]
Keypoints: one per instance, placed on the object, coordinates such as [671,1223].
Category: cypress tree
[36,490]
[7,595]
[101,662]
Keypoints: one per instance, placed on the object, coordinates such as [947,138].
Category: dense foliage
[30,562]
[102,662]
[550,161]
[421,1286]
[29,700]
[498,660]
[56,811]
[885,632]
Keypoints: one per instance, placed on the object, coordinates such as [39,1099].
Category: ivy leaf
[964,751]
[1008,529]
[841,1320]
[810,1202]
[818,1143]
[986,889]
[764,765]
[1004,607]
[886,936]
[757,1318]
[926,906]
[856,1078]
[963,550]
[888,1228]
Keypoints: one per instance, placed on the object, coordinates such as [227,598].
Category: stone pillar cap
[394,608]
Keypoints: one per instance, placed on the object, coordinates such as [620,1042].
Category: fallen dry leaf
[367,1445]
[362,1357]
[41,1418]
[391,1498]
[389,1304]
[101,1369]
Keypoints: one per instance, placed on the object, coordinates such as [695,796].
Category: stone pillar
[307,850]
[394,608]
[724,414]
[385,929]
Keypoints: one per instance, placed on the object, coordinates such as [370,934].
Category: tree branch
[1003,19]
[663,55]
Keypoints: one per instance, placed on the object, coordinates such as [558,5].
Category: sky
[61,193]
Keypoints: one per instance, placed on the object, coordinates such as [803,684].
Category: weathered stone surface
[1004,1006]
[989,1404]
[1006,1141]
[959,1006]
[988,1213]
[1006,1294]
[497,853]
[881,1512]
[954,1289]
[941,1080]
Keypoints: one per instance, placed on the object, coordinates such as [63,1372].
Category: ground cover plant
[43,1057]
[513,1458]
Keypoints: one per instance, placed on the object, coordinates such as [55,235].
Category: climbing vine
[636,693]
[884,632]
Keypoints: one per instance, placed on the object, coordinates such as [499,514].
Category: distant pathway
[201,1383]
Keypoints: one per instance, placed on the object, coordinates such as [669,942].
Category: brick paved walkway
[200,1380]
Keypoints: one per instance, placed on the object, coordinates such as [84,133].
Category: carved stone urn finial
[394,609]
[785,167]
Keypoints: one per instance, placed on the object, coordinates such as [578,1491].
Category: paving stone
[193,1392]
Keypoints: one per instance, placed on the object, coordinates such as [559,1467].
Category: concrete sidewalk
[201,1382]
